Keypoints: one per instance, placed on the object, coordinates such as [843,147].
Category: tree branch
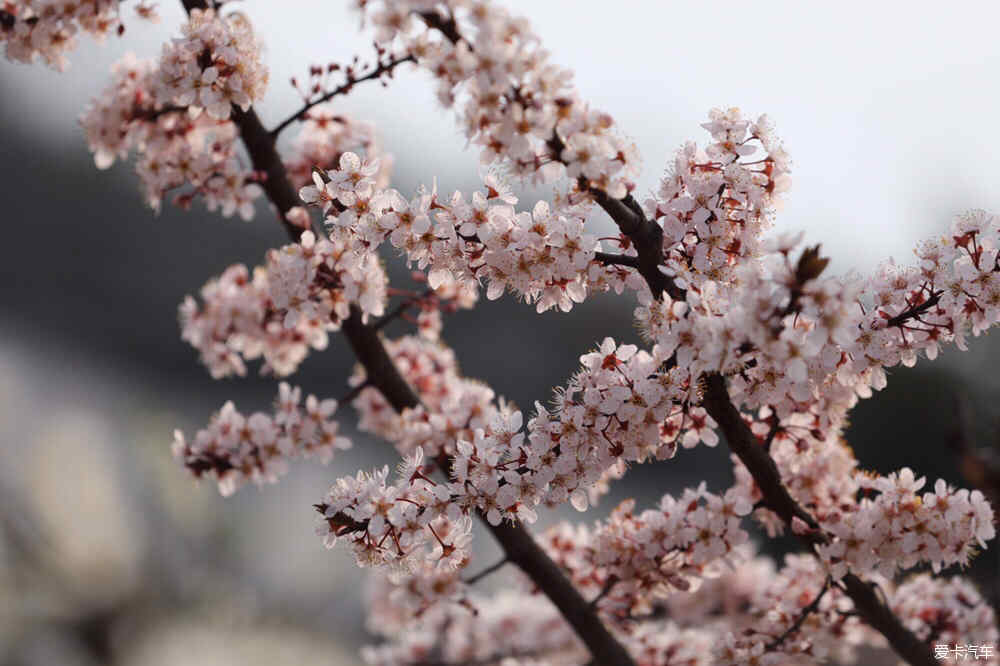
[616,259]
[915,310]
[524,551]
[646,235]
[777,498]
[265,158]
[753,456]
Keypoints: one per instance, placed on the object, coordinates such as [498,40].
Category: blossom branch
[518,544]
[516,541]
[265,158]
[524,551]
[626,212]
[762,467]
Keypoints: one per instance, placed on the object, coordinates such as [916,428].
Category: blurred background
[110,554]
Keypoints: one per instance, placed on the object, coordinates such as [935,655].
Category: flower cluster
[499,468]
[397,524]
[305,291]
[900,529]
[174,149]
[634,559]
[953,291]
[515,105]
[891,527]
[805,348]
[610,413]
[325,136]
[319,281]
[618,408]
[234,448]
[47,29]
[215,65]
[512,628]
[238,322]
[793,616]
[457,419]
[543,256]
[713,208]
[947,611]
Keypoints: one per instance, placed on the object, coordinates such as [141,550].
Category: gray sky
[881,105]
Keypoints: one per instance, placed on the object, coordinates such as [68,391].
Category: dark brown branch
[445,25]
[873,610]
[265,158]
[524,551]
[915,311]
[616,259]
[645,234]
[870,607]
[382,372]
[753,456]
[383,68]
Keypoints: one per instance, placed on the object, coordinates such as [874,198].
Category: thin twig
[353,393]
[399,310]
[775,426]
[806,612]
[472,580]
[608,584]
[383,68]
